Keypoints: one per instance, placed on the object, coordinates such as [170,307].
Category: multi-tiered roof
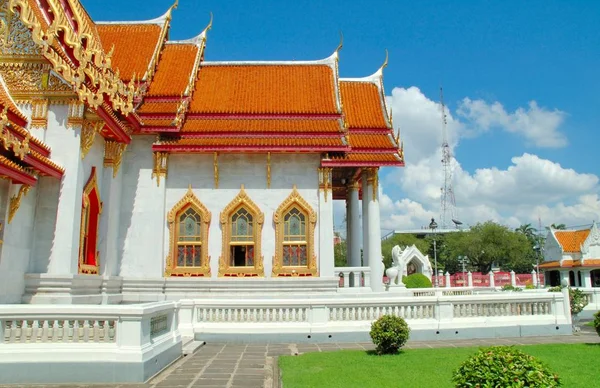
[138,81]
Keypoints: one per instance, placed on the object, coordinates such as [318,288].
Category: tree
[558,226]
[403,240]
[527,230]
[340,254]
[491,243]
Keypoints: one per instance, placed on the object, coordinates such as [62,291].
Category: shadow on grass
[374,353]
[592,343]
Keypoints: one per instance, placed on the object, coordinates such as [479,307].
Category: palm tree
[527,230]
[558,226]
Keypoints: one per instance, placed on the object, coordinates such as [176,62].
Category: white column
[564,278]
[354,231]
[326,255]
[469,279]
[365,220]
[66,151]
[374,232]
[448,280]
[586,278]
[109,222]
[513,279]
[492,281]
[534,278]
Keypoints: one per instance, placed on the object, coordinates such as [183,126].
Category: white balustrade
[353,277]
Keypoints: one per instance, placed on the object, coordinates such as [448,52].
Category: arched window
[189,221]
[91,207]
[294,238]
[241,225]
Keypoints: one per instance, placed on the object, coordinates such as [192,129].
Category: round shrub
[416,280]
[597,322]
[389,333]
[510,287]
[504,366]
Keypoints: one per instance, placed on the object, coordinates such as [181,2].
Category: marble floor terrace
[230,365]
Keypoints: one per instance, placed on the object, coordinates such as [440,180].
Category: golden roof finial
[339,47]
[385,63]
[209,23]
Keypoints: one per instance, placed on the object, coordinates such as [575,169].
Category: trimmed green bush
[596,322]
[529,286]
[504,366]
[389,333]
[510,287]
[416,280]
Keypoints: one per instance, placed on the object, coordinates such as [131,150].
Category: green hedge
[389,333]
[416,280]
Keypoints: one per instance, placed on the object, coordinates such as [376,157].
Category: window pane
[242,226]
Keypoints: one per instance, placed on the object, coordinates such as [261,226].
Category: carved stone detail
[15,201]
[15,37]
[161,166]
[75,116]
[10,141]
[88,134]
[113,154]
[39,113]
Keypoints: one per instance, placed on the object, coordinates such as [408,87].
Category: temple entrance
[595,275]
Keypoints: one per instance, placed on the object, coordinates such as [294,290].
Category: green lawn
[576,364]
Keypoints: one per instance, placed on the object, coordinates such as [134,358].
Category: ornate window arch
[189,221]
[294,237]
[241,227]
[91,208]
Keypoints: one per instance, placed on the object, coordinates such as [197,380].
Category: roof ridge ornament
[339,47]
[161,20]
[197,40]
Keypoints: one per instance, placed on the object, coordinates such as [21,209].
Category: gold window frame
[189,200]
[90,186]
[225,269]
[294,200]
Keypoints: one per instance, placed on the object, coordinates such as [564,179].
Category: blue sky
[505,52]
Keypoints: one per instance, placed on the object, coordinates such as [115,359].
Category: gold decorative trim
[88,134]
[241,200]
[39,113]
[15,201]
[113,155]
[9,140]
[90,186]
[75,115]
[268,170]
[373,180]
[294,200]
[188,200]
[216,169]
[325,180]
[91,77]
[161,166]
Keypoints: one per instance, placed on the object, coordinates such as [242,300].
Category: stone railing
[111,335]
[592,295]
[353,277]
[543,313]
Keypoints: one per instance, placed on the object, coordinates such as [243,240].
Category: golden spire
[385,63]
[339,47]
[209,23]
[174,6]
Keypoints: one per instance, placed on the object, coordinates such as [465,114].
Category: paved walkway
[255,365]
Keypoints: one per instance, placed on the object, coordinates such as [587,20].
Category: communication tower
[448,208]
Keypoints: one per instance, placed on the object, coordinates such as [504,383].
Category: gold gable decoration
[39,113]
[113,155]
[88,134]
[294,200]
[161,166]
[189,200]
[225,269]
[15,201]
[92,76]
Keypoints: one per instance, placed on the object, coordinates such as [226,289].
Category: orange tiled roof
[158,122]
[362,105]
[265,89]
[571,240]
[174,69]
[8,103]
[261,125]
[591,262]
[550,264]
[368,157]
[134,46]
[376,140]
[151,107]
[267,141]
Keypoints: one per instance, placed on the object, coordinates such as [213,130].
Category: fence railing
[274,316]
[353,277]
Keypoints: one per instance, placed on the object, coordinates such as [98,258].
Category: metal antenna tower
[448,203]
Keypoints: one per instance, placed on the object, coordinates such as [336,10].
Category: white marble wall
[17,246]
[144,233]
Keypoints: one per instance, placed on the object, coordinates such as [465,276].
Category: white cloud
[529,188]
[538,125]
